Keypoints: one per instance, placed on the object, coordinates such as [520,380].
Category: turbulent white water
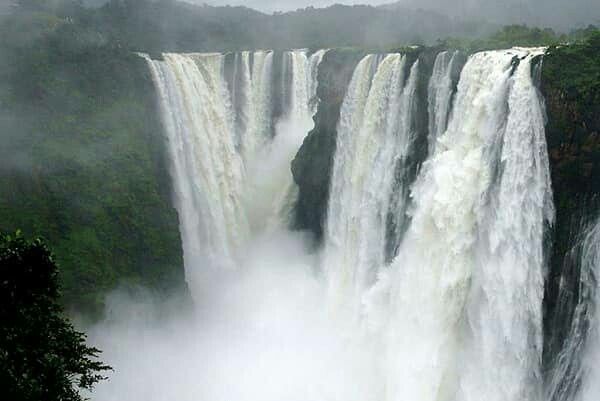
[451,311]
[467,279]
[505,306]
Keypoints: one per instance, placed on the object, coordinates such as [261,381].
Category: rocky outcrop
[312,165]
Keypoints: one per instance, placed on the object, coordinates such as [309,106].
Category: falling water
[258,106]
[272,173]
[374,136]
[452,309]
[505,304]
[468,274]
[440,91]
[229,172]
[575,374]
[208,173]
[315,61]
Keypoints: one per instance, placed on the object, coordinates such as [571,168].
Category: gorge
[394,202]
[426,180]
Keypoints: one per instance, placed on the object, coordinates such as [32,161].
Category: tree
[42,357]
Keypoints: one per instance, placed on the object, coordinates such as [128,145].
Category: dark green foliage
[571,87]
[508,36]
[42,357]
[82,157]
[581,80]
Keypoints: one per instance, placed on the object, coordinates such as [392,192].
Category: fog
[258,328]
[559,14]
[260,333]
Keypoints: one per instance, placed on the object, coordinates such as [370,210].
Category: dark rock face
[312,165]
[571,88]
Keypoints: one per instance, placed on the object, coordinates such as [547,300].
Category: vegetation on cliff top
[519,35]
[81,161]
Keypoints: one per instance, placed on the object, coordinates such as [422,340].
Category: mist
[557,14]
[260,333]
[151,142]
[259,328]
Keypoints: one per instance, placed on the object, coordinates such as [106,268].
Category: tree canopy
[42,356]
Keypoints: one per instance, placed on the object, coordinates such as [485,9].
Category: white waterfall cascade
[455,316]
[374,135]
[207,171]
[505,333]
[257,108]
[271,174]
[228,170]
[439,96]
[468,275]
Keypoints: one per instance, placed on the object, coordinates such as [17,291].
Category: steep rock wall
[571,87]
[312,165]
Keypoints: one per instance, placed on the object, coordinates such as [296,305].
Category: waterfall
[272,173]
[258,103]
[314,62]
[229,157]
[467,279]
[207,171]
[374,136]
[575,374]
[292,127]
[505,306]
[440,91]
[432,270]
